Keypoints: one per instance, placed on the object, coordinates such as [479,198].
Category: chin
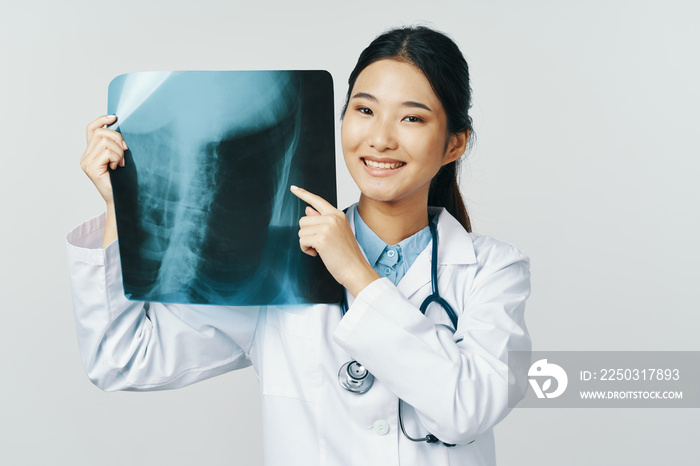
[382,194]
[376,191]
[378,197]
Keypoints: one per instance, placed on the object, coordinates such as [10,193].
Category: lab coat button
[381,427]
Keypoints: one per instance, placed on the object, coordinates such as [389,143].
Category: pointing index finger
[317,202]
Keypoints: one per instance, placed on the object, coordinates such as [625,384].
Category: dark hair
[443,64]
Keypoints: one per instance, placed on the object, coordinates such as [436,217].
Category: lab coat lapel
[418,275]
[454,242]
[454,247]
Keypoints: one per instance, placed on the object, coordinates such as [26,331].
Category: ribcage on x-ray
[185,214]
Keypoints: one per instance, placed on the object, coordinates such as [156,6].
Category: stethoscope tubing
[435,295]
[364,383]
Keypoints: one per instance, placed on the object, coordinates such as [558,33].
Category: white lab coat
[456,391]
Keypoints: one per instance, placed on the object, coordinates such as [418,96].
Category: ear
[456,146]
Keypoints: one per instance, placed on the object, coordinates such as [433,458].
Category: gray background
[587,124]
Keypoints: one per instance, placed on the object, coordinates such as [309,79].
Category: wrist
[361,280]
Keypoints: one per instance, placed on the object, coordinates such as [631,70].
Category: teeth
[383,165]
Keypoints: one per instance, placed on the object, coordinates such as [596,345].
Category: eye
[364,110]
[413,119]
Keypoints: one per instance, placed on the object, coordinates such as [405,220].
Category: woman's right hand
[105,150]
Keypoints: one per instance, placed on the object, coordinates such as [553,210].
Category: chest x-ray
[204,212]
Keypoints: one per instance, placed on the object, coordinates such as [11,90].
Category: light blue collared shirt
[394,261]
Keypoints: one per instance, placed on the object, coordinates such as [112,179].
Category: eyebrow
[408,103]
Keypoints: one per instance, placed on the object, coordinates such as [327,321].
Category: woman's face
[394,133]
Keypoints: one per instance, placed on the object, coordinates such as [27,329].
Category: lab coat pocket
[290,353]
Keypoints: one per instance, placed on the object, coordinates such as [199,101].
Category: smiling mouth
[383,165]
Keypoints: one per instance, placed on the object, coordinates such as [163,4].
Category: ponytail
[444,192]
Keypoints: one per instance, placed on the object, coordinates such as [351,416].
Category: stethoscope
[355,378]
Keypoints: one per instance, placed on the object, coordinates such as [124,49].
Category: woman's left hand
[325,231]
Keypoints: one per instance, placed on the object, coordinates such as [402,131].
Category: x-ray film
[204,211]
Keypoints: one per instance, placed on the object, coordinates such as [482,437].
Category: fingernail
[124,145]
[111,116]
[293,188]
[122,162]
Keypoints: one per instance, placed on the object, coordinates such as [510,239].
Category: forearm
[110,227]
[457,384]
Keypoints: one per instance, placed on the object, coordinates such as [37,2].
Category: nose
[382,135]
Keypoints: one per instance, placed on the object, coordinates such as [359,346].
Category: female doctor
[438,386]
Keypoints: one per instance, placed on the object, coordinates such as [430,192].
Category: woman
[405,126]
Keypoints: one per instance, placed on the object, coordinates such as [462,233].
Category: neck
[394,221]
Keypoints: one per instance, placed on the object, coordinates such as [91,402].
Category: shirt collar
[371,244]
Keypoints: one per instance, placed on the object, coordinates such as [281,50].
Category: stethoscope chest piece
[355,378]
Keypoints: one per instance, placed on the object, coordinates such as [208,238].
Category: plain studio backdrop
[586,158]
